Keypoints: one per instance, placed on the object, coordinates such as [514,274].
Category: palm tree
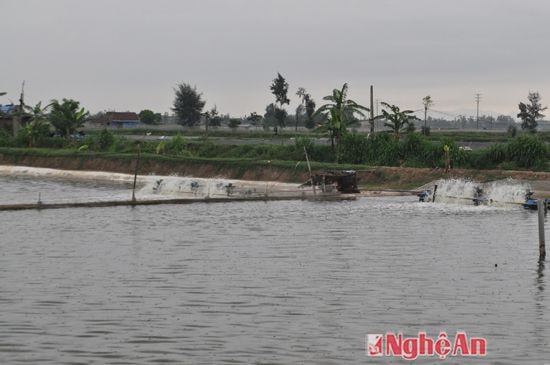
[339,112]
[398,121]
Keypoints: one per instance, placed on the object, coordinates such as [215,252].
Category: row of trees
[337,115]
[188,105]
[340,112]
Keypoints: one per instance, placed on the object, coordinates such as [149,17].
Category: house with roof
[120,120]
[7,117]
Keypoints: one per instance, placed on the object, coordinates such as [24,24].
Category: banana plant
[38,126]
[339,112]
[66,116]
[396,119]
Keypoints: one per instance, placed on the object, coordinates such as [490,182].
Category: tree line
[341,113]
[335,116]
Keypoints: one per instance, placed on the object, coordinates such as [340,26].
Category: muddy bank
[369,178]
[156,167]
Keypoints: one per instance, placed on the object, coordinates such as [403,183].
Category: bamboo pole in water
[309,168]
[542,244]
[135,174]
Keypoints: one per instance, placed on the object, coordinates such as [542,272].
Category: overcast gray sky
[130,54]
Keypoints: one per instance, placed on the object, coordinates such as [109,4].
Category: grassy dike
[371,177]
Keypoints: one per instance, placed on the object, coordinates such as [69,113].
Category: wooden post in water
[135,174]
[435,191]
[310,174]
[542,244]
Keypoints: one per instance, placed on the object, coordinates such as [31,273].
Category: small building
[8,109]
[335,180]
[7,114]
[122,119]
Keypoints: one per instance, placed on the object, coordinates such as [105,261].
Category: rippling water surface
[278,282]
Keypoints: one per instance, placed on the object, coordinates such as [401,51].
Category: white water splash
[154,186]
[191,187]
[507,191]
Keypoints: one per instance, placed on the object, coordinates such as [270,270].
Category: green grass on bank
[20,153]
[411,150]
[480,136]
[456,135]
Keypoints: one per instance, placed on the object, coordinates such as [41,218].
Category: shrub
[526,151]
[176,145]
[417,151]
[6,140]
[383,150]
[104,140]
[353,148]
[122,145]
[304,142]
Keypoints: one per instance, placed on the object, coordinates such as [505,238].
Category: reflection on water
[278,282]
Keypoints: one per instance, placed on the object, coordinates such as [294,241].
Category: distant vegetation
[57,126]
[382,149]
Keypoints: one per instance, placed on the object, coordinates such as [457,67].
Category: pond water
[277,282]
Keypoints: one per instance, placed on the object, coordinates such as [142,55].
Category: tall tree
[215,119]
[269,116]
[188,105]
[308,105]
[397,120]
[299,115]
[310,111]
[279,88]
[340,111]
[67,116]
[428,102]
[531,112]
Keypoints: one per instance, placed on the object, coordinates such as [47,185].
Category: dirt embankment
[372,178]
[155,167]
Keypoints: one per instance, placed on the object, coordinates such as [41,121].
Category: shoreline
[372,179]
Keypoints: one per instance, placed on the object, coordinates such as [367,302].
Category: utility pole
[371,112]
[478,98]
[18,115]
[428,102]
